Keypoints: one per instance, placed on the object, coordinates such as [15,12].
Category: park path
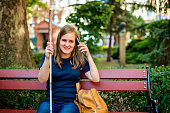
[103,64]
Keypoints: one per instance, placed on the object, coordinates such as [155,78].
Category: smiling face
[67,44]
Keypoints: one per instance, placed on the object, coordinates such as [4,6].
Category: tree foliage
[154,49]
[154,5]
[159,36]
[30,4]
[91,18]
[163,5]
[122,15]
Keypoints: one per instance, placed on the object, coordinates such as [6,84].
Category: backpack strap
[78,86]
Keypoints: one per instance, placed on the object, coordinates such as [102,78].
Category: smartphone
[78,43]
[78,40]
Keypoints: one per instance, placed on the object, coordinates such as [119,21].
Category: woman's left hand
[84,49]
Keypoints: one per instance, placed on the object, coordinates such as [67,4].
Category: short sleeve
[42,61]
[86,67]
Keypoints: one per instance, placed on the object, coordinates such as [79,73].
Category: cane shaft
[50,24]
[50,40]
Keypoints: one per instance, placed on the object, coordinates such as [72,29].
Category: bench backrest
[21,80]
[27,79]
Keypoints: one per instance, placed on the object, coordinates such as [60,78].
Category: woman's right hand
[49,50]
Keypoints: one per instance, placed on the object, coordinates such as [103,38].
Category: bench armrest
[154,106]
[151,104]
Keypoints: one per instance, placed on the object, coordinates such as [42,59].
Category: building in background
[41,34]
[38,25]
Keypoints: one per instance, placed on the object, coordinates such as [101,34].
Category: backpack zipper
[94,100]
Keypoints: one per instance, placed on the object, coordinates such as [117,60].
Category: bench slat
[116,85]
[19,73]
[34,111]
[102,85]
[122,73]
[17,111]
[104,73]
[22,85]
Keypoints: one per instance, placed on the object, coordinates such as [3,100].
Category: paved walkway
[102,64]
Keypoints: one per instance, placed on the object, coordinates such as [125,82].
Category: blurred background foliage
[153,49]
[91,19]
[37,58]
[116,101]
[31,4]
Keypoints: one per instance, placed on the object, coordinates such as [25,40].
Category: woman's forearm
[93,70]
[44,72]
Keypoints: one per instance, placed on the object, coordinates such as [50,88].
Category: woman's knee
[44,108]
[70,108]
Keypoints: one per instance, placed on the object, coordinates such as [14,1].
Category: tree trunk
[109,51]
[15,43]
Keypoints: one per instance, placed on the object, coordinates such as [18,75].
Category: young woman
[68,62]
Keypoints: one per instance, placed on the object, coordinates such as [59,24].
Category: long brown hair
[76,58]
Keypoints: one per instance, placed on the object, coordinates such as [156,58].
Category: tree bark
[110,41]
[109,51]
[14,36]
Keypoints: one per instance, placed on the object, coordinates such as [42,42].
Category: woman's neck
[65,55]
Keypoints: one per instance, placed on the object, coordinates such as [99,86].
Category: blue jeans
[66,108]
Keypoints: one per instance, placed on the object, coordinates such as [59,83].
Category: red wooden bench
[104,85]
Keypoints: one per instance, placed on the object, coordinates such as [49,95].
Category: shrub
[132,43]
[115,54]
[155,49]
[141,47]
[136,101]
[18,99]
[157,57]
[15,67]
[37,58]
[160,87]
[134,51]
[133,58]
[159,37]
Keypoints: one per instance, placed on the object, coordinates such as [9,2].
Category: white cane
[50,39]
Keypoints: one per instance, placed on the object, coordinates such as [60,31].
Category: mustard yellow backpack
[89,101]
